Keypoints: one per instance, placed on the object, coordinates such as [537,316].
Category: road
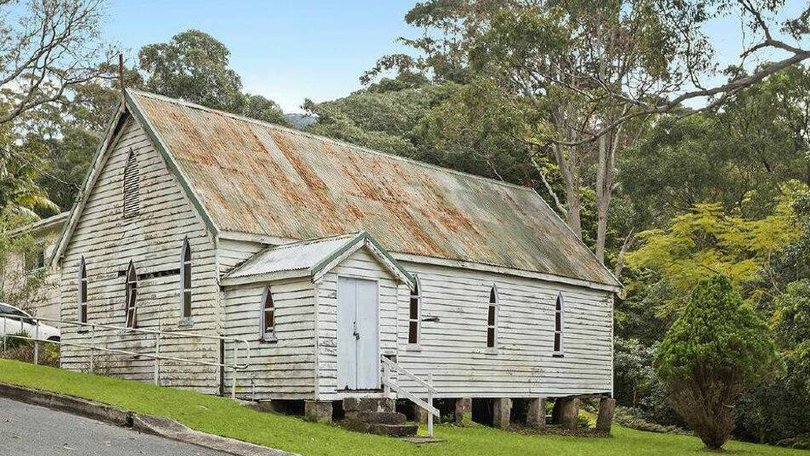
[28,430]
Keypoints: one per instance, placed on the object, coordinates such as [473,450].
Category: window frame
[185,284]
[415,295]
[131,299]
[558,335]
[81,292]
[267,298]
[493,307]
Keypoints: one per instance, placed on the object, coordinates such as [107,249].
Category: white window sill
[413,348]
[492,351]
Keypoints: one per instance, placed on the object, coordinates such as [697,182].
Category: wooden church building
[329,259]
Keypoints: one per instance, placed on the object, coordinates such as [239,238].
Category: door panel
[357,335]
[346,310]
[368,372]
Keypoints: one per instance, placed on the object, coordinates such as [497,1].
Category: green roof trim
[364,237]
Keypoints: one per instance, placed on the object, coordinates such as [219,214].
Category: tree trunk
[570,175]
[605,176]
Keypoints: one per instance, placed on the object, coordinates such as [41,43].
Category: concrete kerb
[148,424]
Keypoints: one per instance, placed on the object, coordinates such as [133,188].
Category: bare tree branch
[53,46]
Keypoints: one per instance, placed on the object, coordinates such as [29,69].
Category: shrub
[715,351]
[778,412]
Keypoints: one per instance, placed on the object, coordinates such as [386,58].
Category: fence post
[233,374]
[36,341]
[157,356]
[92,347]
[430,401]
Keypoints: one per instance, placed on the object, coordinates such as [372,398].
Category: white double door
[358,341]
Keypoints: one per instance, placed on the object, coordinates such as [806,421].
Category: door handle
[354,331]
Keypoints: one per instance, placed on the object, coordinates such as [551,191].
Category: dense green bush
[779,412]
[717,350]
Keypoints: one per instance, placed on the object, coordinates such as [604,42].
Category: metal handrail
[235,365]
[389,384]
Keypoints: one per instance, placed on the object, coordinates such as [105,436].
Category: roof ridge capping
[337,142]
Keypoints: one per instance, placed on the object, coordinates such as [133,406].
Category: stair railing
[390,384]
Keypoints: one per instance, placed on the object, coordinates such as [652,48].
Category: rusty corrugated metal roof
[258,178]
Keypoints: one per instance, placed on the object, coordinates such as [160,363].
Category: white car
[15,321]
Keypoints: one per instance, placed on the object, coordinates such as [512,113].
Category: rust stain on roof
[258,178]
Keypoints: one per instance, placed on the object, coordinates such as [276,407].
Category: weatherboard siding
[153,241]
[454,347]
[233,253]
[283,369]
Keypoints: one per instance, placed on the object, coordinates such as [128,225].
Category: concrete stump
[463,411]
[318,411]
[536,415]
[605,418]
[501,411]
[569,410]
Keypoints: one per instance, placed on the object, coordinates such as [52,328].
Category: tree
[52,46]
[67,132]
[707,241]
[194,66]
[385,120]
[20,166]
[594,71]
[739,157]
[715,351]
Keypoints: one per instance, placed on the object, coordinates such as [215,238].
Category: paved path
[29,430]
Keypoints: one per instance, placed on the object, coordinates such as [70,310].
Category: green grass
[227,418]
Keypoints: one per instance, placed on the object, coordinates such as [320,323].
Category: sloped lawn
[224,417]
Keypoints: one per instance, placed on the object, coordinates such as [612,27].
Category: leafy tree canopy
[194,66]
[707,241]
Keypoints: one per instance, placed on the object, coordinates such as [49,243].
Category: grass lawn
[227,418]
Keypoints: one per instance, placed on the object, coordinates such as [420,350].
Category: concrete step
[394,430]
[378,417]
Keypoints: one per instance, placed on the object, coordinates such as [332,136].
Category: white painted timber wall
[284,369]
[454,348]
[153,241]
[232,253]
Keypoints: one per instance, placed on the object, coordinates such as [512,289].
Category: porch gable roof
[313,258]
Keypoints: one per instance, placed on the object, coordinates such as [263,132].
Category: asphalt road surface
[29,430]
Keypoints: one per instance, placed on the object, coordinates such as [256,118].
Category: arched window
[415,313]
[185,282]
[268,332]
[132,296]
[131,187]
[559,319]
[492,318]
[82,292]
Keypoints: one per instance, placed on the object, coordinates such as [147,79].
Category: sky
[317,49]
[284,50]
